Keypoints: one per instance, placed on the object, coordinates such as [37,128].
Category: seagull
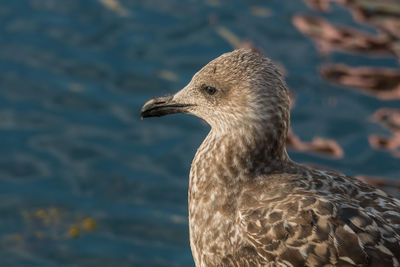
[249,203]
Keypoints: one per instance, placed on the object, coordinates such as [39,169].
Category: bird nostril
[162,100]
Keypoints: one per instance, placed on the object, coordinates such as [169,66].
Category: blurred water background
[84,182]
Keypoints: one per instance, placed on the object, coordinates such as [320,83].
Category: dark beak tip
[161,106]
[145,110]
[143,114]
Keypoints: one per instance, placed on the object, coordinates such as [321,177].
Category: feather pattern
[250,205]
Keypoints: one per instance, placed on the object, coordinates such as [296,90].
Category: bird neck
[243,153]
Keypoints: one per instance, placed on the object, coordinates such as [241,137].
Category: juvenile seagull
[249,204]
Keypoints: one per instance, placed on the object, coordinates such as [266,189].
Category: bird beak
[161,106]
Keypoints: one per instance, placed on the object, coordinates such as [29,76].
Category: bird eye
[210,90]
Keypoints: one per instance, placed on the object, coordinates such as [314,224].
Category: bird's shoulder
[316,217]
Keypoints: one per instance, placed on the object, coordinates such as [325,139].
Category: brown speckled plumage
[249,204]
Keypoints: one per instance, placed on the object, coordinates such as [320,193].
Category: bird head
[240,89]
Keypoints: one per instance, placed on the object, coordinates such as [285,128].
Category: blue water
[73,76]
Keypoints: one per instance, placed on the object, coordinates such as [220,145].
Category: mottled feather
[250,205]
